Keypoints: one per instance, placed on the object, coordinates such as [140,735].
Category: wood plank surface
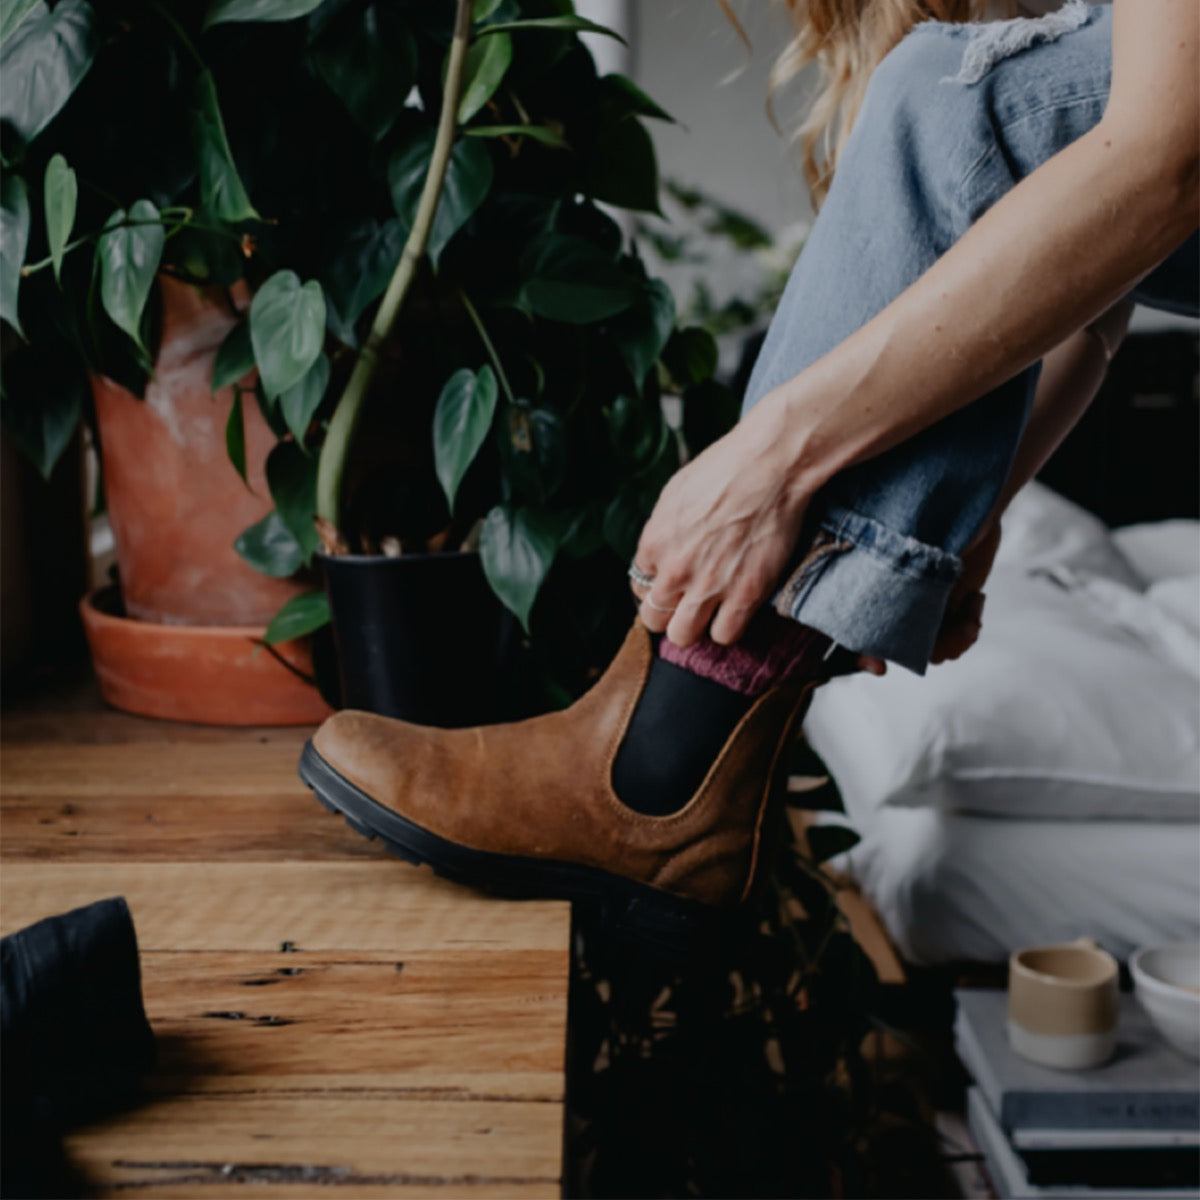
[327,1017]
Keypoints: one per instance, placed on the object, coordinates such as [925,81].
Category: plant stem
[335,452]
[180,33]
[487,345]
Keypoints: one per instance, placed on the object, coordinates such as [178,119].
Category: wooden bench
[329,1020]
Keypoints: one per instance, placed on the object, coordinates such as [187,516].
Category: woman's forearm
[1071,376]
[1059,249]
[1055,252]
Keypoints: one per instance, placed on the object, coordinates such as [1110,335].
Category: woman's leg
[930,153]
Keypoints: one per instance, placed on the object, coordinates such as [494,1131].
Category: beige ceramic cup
[1062,1004]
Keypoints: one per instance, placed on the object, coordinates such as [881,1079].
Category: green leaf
[43,424]
[487,62]
[828,841]
[484,9]
[300,402]
[221,189]
[623,91]
[568,279]
[300,616]
[221,11]
[235,437]
[624,519]
[565,24]
[539,133]
[12,13]
[43,62]
[360,273]
[460,424]
[368,59]
[268,546]
[61,192]
[690,356]
[287,329]
[235,357]
[533,450]
[622,169]
[642,331]
[636,429]
[14,237]
[517,548]
[292,479]
[130,250]
[468,181]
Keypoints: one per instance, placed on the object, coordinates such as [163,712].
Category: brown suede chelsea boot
[529,809]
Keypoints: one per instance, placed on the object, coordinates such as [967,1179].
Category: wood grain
[327,1017]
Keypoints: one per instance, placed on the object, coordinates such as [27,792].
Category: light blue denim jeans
[953,118]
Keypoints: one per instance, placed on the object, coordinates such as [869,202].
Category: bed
[1046,785]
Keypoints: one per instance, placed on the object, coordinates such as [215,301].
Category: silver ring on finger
[658,608]
[640,577]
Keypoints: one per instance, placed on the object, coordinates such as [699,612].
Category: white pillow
[1042,529]
[1057,712]
[1161,550]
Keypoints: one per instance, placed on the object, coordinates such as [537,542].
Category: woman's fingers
[689,622]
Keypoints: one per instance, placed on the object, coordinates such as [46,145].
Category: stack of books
[1130,1128]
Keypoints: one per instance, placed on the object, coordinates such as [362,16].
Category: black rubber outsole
[625,908]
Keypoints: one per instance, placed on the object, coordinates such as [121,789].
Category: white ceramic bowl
[1167,982]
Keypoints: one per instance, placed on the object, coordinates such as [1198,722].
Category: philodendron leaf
[221,187]
[268,546]
[828,841]
[61,191]
[12,13]
[517,548]
[130,250]
[301,401]
[690,356]
[488,61]
[623,169]
[565,24]
[235,357]
[539,133]
[14,237]
[235,437]
[642,330]
[484,9]
[287,329]
[360,273]
[300,616]
[221,11]
[533,450]
[292,478]
[368,59]
[625,92]
[460,424]
[468,180]
[568,279]
[43,62]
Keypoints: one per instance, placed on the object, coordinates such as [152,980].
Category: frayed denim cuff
[871,589]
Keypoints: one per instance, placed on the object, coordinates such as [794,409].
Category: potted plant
[503,392]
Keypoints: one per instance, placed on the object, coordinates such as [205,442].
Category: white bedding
[953,888]
[1047,785]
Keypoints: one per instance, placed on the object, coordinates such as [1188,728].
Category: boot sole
[669,924]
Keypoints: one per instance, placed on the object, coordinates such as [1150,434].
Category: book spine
[1098,1110]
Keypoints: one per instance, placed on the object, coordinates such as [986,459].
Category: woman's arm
[1071,376]
[1062,247]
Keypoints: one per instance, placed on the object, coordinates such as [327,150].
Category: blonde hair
[847,39]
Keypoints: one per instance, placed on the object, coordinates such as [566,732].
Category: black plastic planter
[420,637]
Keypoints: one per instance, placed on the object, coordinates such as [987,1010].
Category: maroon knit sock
[773,650]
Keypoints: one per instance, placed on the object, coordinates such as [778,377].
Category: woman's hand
[964,609]
[723,532]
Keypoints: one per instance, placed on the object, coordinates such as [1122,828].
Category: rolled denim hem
[872,590]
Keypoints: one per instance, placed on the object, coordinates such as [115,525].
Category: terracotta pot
[174,499]
[216,675]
